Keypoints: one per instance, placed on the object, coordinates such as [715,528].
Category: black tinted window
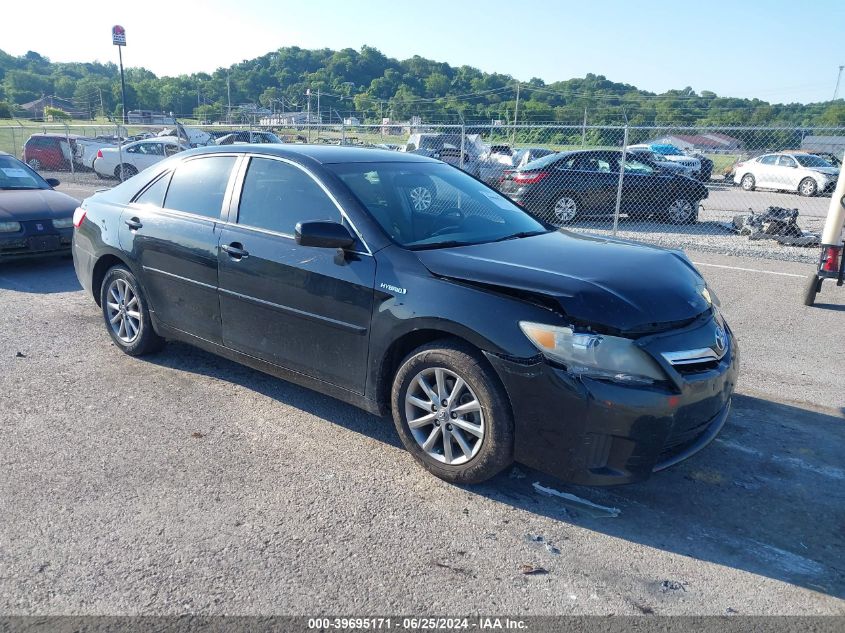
[277,195]
[155,192]
[198,186]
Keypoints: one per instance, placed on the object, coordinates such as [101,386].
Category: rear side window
[769,160]
[198,185]
[276,196]
[155,192]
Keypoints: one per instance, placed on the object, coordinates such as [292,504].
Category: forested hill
[369,85]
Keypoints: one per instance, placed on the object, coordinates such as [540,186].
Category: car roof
[323,154]
[56,135]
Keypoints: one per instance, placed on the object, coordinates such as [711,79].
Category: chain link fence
[740,190]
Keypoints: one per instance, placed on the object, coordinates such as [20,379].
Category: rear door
[307,309]
[766,174]
[172,231]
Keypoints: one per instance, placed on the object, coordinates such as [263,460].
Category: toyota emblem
[720,339]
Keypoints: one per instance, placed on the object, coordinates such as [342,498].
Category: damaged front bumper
[596,432]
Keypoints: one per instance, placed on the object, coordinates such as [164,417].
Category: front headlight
[594,355]
[63,223]
[10,227]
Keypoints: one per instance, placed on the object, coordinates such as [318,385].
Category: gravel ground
[184,483]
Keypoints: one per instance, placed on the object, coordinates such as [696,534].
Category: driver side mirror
[53,182]
[323,234]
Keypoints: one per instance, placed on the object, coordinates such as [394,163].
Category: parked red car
[49,151]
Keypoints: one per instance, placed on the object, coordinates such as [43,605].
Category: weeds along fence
[678,187]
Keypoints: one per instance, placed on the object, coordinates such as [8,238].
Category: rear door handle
[235,250]
[133,223]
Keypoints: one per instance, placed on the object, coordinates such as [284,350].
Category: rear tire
[808,188]
[682,211]
[811,289]
[466,441]
[747,183]
[128,171]
[564,210]
[126,313]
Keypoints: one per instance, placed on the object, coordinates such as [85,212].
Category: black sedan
[561,188]
[400,284]
[34,220]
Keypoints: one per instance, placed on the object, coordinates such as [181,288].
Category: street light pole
[838,77]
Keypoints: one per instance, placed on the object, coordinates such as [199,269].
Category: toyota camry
[404,286]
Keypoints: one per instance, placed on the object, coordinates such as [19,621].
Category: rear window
[198,186]
[540,163]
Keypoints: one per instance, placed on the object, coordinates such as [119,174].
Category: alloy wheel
[444,416]
[124,311]
[680,211]
[565,209]
[808,187]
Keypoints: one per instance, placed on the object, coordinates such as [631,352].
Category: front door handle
[235,250]
[133,223]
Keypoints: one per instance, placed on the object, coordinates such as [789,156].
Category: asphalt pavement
[185,483]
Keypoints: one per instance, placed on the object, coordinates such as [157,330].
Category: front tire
[126,313]
[808,188]
[747,183]
[452,413]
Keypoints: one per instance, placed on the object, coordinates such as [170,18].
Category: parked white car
[136,156]
[807,174]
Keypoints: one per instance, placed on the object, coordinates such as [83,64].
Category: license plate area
[44,243]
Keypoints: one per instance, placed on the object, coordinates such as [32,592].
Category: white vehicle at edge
[807,174]
[136,156]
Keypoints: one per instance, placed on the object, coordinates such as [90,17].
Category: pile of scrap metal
[775,223]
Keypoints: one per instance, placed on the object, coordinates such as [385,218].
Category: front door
[304,308]
[172,230]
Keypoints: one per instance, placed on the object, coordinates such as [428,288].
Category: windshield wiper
[448,244]
[521,234]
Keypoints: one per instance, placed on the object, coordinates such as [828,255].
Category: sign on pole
[118,35]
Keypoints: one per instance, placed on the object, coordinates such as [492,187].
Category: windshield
[667,150]
[808,160]
[16,175]
[429,205]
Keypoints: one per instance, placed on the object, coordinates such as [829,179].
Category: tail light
[830,259]
[529,177]
[99,153]
[78,216]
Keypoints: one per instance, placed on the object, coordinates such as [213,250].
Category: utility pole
[102,107]
[584,130]
[228,98]
[319,117]
[515,115]
[308,114]
[838,77]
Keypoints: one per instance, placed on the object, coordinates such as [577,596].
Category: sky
[780,51]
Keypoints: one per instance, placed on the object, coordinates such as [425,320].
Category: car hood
[35,204]
[619,285]
[828,171]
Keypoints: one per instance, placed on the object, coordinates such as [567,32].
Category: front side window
[638,167]
[428,205]
[277,195]
[198,186]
